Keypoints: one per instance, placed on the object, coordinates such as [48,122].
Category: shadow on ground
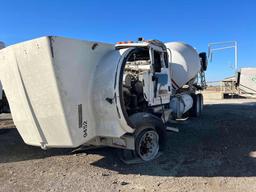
[13,149]
[220,143]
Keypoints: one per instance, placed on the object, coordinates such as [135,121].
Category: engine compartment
[136,65]
[145,80]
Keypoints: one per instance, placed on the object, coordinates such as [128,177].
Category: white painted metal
[247,81]
[162,95]
[47,78]
[181,104]
[185,62]
[174,129]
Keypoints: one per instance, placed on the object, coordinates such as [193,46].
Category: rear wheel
[197,105]
[201,99]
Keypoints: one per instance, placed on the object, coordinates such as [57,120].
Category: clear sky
[196,22]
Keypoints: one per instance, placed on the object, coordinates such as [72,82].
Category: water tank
[185,63]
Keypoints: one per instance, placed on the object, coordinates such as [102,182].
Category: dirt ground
[216,152]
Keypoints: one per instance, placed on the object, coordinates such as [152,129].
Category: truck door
[157,86]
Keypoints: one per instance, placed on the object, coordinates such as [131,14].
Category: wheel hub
[149,145]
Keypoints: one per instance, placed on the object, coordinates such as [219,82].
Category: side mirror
[204,61]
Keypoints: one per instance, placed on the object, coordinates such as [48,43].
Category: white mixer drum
[185,63]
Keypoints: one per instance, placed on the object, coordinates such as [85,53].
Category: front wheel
[147,144]
[149,135]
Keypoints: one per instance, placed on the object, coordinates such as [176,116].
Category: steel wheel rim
[148,145]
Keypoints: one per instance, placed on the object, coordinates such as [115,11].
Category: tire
[197,106]
[201,99]
[149,135]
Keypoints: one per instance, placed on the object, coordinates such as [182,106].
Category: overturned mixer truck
[65,93]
